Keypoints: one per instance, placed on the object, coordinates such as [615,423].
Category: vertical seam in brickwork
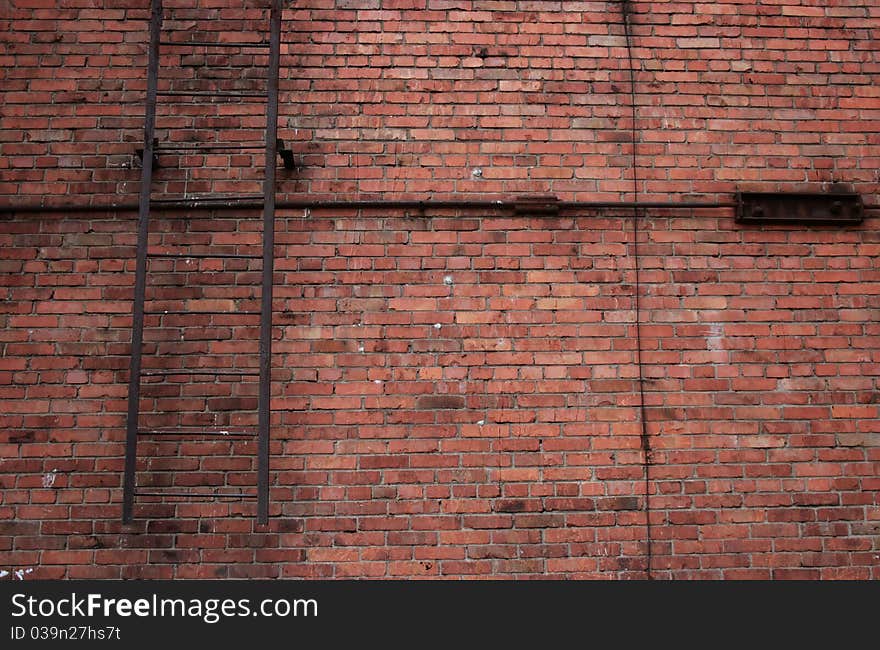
[626,11]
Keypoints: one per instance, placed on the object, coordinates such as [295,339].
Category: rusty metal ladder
[151,148]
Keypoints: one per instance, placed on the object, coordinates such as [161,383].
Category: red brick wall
[454,395]
[506,441]
[412,98]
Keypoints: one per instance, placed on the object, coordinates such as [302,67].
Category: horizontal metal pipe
[30,208]
[231,204]
[361,204]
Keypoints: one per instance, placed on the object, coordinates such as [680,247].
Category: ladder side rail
[264,414]
[137,327]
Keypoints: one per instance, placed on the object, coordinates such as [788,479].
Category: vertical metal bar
[627,12]
[137,321]
[268,266]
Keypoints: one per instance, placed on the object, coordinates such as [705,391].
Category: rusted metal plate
[799,207]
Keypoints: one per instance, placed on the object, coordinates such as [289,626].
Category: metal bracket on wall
[286,155]
[799,207]
[139,152]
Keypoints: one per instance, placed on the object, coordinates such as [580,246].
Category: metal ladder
[149,153]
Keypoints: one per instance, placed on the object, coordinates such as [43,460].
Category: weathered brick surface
[455,393]
[445,98]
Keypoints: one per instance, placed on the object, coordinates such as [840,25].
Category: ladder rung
[210,93]
[213,44]
[208,312]
[207,199]
[205,256]
[205,371]
[222,433]
[192,495]
[209,146]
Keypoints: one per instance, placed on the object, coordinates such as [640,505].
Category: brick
[440,402]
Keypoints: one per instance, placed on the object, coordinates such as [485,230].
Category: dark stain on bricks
[232,403]
[622,503]
[440,402]
[174,555]
[19,528]
[510,505]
